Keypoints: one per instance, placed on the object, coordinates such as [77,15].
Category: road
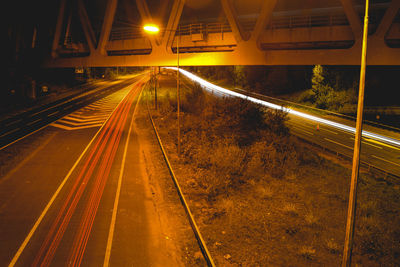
[373,152]
[89,189]
[28,121]
[382,155]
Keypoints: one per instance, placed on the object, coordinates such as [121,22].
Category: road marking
[33,122]
[382,144]
[103,171]
[64,127]
[117,195]
[366,143]
[7,133]
[301,130]
[340,144]
[51,114]
[50,203]
[89,116]
[12,122]
[8,175]
[386,160]
[330,131]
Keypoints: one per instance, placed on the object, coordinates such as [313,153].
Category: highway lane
[373,152]
[335,136]
[18,126]
[50,189]
[70,198]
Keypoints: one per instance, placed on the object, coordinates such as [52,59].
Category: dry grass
[311,219]
[290,208]
[333,247]
[271,196]
[307,252]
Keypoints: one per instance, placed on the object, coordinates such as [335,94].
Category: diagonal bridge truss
[271,33]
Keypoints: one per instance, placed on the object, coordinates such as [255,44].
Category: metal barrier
[299,21]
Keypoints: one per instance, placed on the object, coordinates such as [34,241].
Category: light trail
[212,87]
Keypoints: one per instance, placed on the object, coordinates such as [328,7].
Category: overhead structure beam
[232,17]
[387,19]
[162,11]
[57,33]
[353,18]
[107,25]
[172,24]
[87,27]
[263,19]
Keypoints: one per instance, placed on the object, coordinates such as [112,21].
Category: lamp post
[154,29]
[348,242]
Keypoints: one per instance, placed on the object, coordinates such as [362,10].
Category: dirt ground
[178,236]
[294,220]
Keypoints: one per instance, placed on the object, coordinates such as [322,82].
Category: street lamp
[151,28]
[154,29]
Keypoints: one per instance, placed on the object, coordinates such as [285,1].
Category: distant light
[151,28]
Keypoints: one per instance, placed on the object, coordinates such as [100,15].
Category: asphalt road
[374,153]
[26,122]
[77,191]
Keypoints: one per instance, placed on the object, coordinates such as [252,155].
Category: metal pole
[178,93]
[348,243]
[155,88]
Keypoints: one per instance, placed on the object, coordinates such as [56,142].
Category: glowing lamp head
[151,28]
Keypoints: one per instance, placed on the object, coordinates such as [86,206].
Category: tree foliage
[331,90]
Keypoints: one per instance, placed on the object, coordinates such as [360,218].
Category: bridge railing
[125,33]
[299,21]
[223,27]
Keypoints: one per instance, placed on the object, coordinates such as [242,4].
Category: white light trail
[218,89]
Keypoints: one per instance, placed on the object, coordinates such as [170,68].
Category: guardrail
[368,166]
[299,21]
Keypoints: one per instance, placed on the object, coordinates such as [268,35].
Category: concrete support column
[172,25]
[387,19]
[237,29]
[353,18]
[87,27]
[57,34]
[262,21]
[107,25]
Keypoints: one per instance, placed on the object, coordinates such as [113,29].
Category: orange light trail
[107,141]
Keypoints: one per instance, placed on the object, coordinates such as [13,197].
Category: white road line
[118,193]
[51,114]
[323,129]
[337,143]
[301,130]
[366,143]
[64,127]
[386,160]
[12,122]
[32,122]
[28,158]
[80,122]
[7,133]
[50,203]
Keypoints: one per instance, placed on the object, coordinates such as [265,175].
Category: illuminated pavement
[89,196]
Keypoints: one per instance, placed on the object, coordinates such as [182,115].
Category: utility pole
[155,88]
[346,262]
[178,93]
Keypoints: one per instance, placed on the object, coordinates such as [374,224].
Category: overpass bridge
[223,32]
